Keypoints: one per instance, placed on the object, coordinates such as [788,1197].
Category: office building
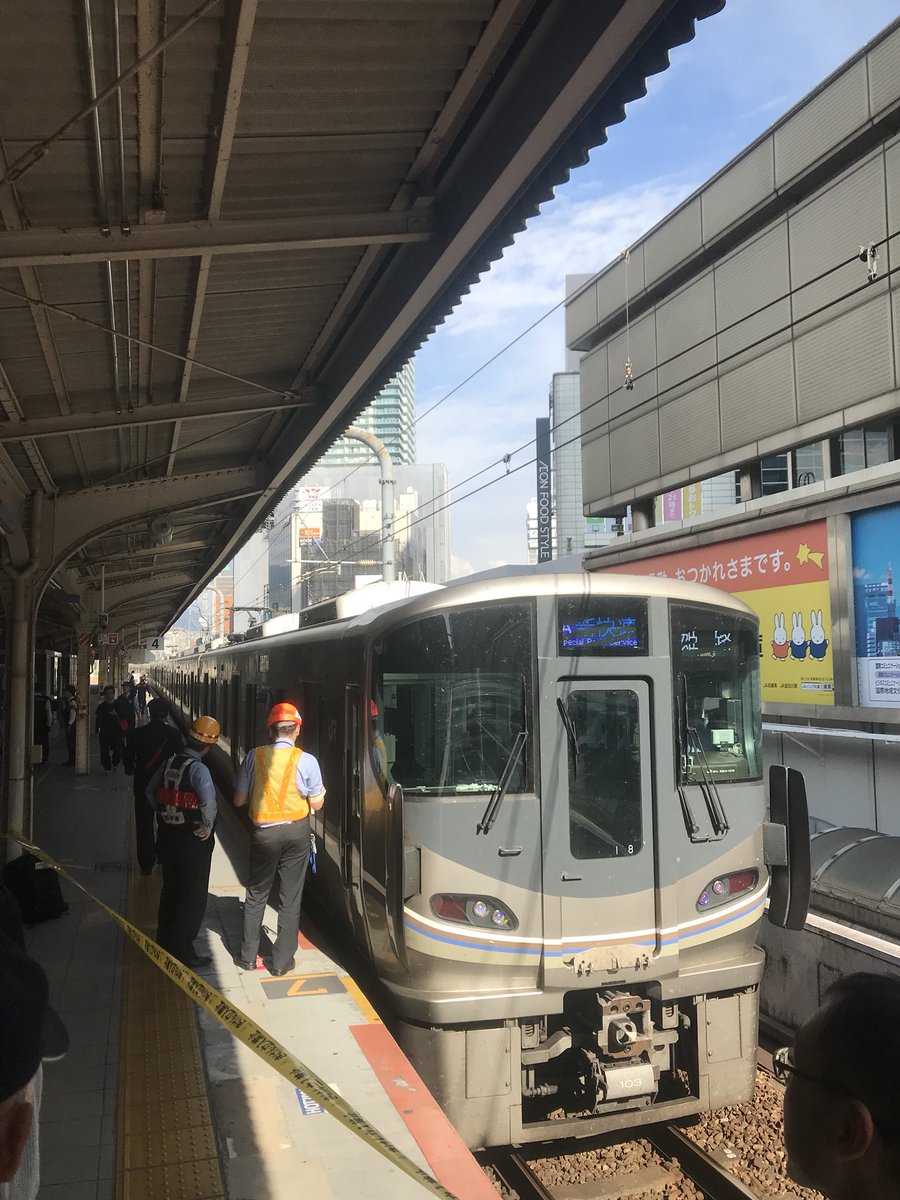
[391,417]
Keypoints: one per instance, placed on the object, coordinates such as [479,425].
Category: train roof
[533,581]
[518,583]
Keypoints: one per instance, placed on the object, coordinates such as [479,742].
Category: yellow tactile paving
[362,1001]
[166,1146]
[175,1181]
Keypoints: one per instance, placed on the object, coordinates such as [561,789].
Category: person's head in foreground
[30,1031]
[842,1100]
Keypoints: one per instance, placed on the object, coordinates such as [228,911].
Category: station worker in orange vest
[184,797]
[281,783]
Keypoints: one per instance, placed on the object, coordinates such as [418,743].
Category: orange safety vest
[275,795]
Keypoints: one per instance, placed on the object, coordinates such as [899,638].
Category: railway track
[705,1173]
[714,1181]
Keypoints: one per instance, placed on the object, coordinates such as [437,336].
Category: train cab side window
[715,661]
[450,694]
[604,740]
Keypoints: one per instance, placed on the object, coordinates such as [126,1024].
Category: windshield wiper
[489,816]
[570,731]
[691,744]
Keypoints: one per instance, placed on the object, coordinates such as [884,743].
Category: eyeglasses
[783,1067]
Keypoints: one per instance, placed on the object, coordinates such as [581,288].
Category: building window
[856,449]
[807,464]
[775,474]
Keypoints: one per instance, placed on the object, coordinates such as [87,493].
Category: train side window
[604,749]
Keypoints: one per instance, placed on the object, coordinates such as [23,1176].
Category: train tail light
[725,887]
[482,911]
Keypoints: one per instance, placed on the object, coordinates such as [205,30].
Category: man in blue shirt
[281,783]
[184,797]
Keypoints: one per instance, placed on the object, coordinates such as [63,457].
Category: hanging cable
[629,373]
[504,459]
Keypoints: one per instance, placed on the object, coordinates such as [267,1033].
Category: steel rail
[714,1180]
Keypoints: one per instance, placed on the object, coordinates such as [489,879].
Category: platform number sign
[154,642]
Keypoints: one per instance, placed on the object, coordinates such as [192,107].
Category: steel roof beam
[99,560]
[12,211]
[187,239]
[148,414]
[226,105]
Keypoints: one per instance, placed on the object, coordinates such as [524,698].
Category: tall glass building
[391,417]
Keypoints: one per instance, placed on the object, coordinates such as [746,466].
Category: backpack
[36,889]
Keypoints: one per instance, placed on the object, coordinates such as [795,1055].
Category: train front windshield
[715,659]
[452,692]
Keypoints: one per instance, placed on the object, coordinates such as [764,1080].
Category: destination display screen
[601,625]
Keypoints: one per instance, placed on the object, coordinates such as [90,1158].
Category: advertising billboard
[876,547]
[783,577]
[543,469]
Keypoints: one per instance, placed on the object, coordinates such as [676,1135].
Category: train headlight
[726,887]
[483,911]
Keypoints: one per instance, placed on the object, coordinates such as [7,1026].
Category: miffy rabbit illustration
[798,636]
[818,643]
[779,638]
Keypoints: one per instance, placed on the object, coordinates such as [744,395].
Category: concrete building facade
[325,537]
[764,332]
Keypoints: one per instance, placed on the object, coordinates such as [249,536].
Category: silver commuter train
[544,829]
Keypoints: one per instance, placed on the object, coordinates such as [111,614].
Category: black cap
[29,1028]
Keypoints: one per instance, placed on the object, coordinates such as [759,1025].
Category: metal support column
[388,544]
[20,598]
[83,720]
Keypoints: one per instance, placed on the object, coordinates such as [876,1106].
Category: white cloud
[746,64]
[495,413]
[577,233]
[460,566]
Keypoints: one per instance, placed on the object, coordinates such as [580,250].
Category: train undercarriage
[612,1059]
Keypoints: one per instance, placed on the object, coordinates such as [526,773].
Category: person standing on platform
[127,721]
[69,719]
[107,723]
[184,797]
[151,746]
[141,696]
[281,783]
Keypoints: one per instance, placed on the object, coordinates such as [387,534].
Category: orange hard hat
[284,714]
[205,729]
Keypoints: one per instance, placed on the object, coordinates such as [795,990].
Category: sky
[745,68]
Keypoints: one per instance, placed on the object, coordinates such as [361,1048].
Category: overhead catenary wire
[505,458]
[137,341]
[680,384]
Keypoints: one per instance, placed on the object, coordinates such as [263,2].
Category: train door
[351,814]
[598,833]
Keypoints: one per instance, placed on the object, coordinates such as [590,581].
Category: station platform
[156,1098]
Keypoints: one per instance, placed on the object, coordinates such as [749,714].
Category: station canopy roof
[207,275]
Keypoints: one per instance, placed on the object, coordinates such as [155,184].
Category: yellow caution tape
[252,1035]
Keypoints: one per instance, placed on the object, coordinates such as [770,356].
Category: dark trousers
[185,862]
[110,750]
[285,849]
[144,828]
[70,744]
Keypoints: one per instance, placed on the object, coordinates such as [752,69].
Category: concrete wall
[739,350]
